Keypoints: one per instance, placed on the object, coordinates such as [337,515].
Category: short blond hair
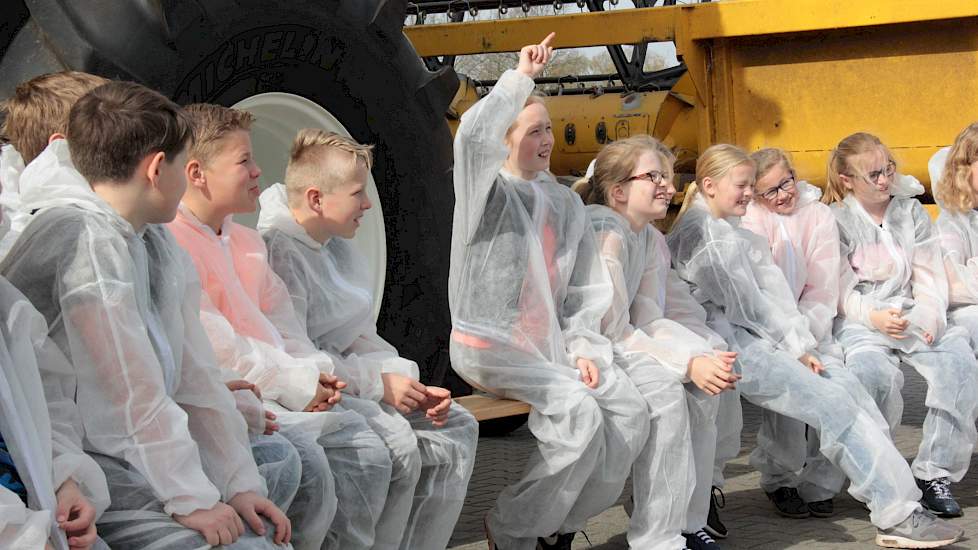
[839,165]
[323,160]
[615,163]
[39,108]
[954,191]
[212,123]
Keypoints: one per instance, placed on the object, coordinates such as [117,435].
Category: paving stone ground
[747,514]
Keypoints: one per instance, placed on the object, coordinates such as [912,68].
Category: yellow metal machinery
[796,74]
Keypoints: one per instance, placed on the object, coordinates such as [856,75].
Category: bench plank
[484,407]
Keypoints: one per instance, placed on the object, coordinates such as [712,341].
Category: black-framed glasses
[787,185]
[872,177]
[654,176]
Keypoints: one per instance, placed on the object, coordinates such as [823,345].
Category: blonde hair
[536,97]
[615,163]
[39,108]
[954,191]
[715,163]
[766,159]
[212,123]
[856,144]
[315,162]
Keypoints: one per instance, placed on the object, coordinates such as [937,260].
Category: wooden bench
[485,407]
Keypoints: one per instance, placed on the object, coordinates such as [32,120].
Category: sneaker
[921,530]
[714,526]
[700,540]
[788,503]
[938,498]
[556,541]
[822,508]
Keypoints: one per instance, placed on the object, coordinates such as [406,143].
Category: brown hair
[853,145]
[322,159]
[954,191]
[715,163]
[212,123]
[113,127]
[769,157]
[39,108]
[615,163]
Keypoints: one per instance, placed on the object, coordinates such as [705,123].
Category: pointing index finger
[548,39]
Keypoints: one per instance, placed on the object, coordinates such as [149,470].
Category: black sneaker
[560,541]
[714,526]
[822,508]
[938,498]
[700,540]
[788,503]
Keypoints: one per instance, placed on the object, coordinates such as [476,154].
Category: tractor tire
[348,56]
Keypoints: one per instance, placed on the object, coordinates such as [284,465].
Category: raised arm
[480,149]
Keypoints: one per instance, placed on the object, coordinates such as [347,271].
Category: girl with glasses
[660,332]
[804,242]
[893,308]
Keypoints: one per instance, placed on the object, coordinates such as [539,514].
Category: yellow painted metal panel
[573,31]
[913,85]
[694,22]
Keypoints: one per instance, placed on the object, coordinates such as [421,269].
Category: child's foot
[788,503]
[700,540]
[822,508]
[921,530]
[557,541]
[714,526]
[938,498]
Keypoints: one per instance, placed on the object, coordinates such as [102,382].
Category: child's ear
[314,199]
[708,187]
[194,173]
[618,193]
[55,137]
[153,163]
[846,182]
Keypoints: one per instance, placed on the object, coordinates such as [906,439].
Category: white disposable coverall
[248,315]
[899,265]
[330,288]
[122,306]
[41,427]
[731,272]
[527,293]
[959,242]
[14,218]
[657,328]
[805,246]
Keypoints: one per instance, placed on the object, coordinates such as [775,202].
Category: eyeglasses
[889,170]
[787,185]
[654,176]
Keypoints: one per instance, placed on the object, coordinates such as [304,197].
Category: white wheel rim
[278,117]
